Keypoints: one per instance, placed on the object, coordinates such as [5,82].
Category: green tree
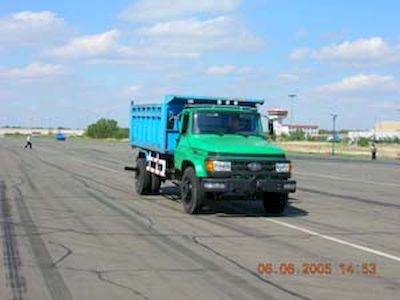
[106,128]
[122,133]
[298,135]
[363,142]
[284,137]
[103,128]
[324,131]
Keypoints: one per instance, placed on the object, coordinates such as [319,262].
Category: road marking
[336,240]
[346,179]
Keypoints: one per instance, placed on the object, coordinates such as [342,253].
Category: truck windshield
[226,123]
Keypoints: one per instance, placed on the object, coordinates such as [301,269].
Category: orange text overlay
[317,268]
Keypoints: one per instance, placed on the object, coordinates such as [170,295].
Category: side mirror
[270,127]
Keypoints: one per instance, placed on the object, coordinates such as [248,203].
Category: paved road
[72,228]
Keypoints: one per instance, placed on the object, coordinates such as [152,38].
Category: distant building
[277,115]
[387,126]
[383,130]
[309,130]
[39,132]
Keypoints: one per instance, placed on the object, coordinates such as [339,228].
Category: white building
[308,130]
[383,130]
[278,115]
[39,131]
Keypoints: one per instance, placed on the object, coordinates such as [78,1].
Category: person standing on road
[373,151]
[28,142]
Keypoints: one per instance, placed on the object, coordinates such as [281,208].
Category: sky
[68,63]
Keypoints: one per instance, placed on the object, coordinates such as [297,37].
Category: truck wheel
[191,193]
[275,203]
[155,184]
[142,178]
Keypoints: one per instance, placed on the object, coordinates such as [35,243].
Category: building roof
[277,112]
[297,126]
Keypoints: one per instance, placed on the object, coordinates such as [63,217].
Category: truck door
[182,145]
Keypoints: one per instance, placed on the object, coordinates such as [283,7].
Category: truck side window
[185,123]
[171,121]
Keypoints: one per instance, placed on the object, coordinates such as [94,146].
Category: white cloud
[361,84]
[361,49]
[193,37]
[372,50]
[106,47]
[227,70]
[132,91]
[90,46]
[299,53]
[34,70]
[332,35]
[190,27]
[157,10]
[221,70]
[199,28]
[386,105]
[165,40]
[289,77]
[29,28]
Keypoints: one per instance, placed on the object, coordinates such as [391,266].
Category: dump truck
[212,148]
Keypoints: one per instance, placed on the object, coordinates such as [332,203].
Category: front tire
[275,203]
[142,178]
[155,184]
[191,194]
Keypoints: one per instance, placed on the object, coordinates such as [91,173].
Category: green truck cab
[217,151]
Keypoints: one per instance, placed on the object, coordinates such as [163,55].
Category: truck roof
[210,100]
[228,108]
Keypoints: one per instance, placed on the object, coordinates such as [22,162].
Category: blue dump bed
[155,126]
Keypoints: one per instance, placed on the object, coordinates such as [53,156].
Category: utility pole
[291,96]
[334,116]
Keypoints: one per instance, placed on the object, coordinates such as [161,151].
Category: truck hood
[234,144]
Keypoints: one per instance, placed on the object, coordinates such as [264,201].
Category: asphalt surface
[72,228]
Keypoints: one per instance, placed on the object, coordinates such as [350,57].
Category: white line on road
[336,240]
[346,179]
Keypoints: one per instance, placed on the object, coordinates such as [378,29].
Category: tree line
[106,128]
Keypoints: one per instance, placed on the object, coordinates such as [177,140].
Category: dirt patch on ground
[384,150]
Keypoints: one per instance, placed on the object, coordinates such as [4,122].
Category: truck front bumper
[247,186]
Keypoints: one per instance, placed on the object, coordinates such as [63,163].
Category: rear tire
[275,203]
[191,194]
[155,184]
[142,178]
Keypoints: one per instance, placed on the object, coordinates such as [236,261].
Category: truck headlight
[283,167]
[218,166]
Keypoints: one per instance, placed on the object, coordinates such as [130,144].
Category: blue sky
[67,64]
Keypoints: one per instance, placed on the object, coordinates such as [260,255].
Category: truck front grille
[242,166]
